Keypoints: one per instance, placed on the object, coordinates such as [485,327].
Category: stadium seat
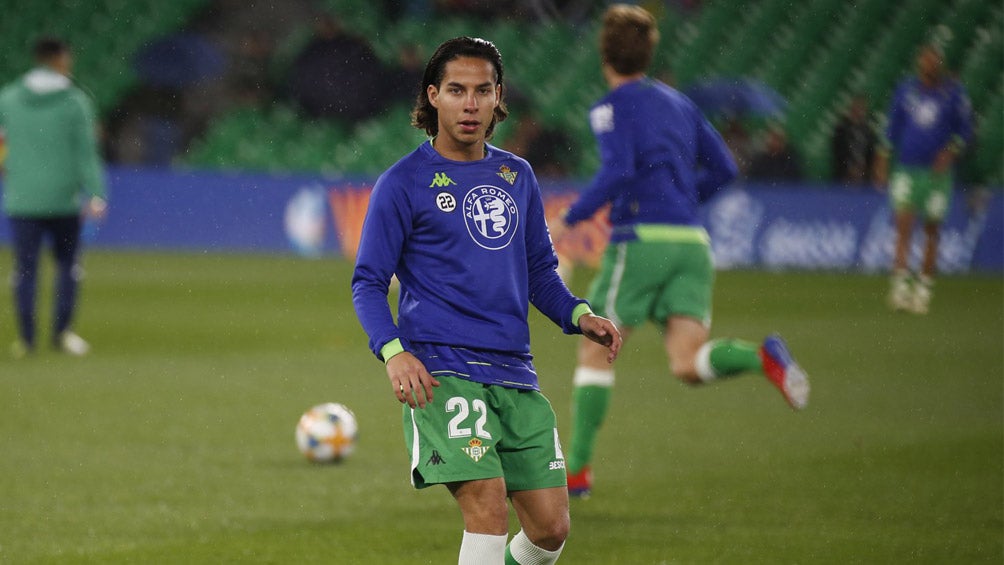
[104,34]
[700,39]
[749,44]
[817,53]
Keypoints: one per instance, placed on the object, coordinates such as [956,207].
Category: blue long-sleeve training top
[470,247]
[924,120]
[659,159]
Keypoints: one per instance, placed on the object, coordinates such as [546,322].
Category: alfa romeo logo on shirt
[491,216]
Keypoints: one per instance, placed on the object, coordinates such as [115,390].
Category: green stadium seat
[748,46]
[964,16]
[701,39]
[816,53]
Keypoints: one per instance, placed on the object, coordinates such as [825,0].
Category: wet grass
[173,441]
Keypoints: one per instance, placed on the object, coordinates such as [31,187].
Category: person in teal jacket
[53,176]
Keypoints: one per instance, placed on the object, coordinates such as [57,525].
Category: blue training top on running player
[924,120]
[470,246]
[660,159]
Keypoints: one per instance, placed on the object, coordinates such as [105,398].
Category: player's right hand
[411,382]
[603,332]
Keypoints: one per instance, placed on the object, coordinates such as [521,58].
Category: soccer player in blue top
[660,159]
[461,224]
[929,125]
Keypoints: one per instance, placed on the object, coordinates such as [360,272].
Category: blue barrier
[798,227]
[163,209]
[753,226]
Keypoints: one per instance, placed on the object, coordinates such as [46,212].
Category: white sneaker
[900,295]
[73,344]
[19,349]
[921,301]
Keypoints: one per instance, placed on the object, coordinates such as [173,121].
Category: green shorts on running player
[474,431]
[667,271]
[921,190]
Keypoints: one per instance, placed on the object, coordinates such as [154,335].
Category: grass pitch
[173,441]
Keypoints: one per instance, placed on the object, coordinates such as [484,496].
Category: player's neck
[615,80]
[930,80]
[460,152]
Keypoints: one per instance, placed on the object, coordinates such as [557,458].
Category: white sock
[482,549]
[587,376]
[525,553]
[702,362]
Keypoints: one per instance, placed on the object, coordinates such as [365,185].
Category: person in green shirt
[53,177]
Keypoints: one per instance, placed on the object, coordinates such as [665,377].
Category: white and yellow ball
[327,433]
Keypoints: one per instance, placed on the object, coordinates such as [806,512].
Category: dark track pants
[28,234]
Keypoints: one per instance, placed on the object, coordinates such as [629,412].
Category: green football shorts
[922,190]
[667,272]
[474,431]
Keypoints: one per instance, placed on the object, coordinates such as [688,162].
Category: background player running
[660,159]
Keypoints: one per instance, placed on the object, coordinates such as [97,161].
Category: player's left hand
[603,332]
[96,208]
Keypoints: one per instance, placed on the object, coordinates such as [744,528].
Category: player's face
[929,64]
[465,101]
[62,63]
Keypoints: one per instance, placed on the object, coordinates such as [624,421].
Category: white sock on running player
[482,549]
[702,362]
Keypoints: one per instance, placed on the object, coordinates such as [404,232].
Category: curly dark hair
[424,116]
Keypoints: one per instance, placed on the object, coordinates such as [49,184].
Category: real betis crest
[475,450]
[508,174]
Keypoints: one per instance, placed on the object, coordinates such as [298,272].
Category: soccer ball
[327,433]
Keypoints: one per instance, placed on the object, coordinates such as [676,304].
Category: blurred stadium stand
[816,53]
[105,33]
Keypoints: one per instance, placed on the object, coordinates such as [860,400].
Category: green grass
[173,441]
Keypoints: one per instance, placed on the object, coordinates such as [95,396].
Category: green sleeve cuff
[390,349]
[957,144]
[580,310]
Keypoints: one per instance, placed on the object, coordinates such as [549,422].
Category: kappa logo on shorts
[476,450]
[491,216]
[436,459]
